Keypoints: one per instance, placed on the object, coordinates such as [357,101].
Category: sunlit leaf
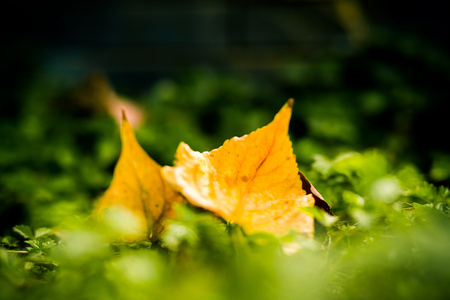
[251,180]
[43,231]
[24,230]
[137,191]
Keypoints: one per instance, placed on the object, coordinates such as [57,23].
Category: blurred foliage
[368,133]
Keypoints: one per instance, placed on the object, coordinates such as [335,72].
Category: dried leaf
[251,180]
[318,199]
[139,188]
[98,95]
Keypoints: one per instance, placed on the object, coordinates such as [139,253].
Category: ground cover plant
[388,238]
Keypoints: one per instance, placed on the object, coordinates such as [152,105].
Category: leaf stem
[17,251]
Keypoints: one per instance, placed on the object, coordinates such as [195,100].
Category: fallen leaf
[98,95]
[251,180]
[318,199]
[138,187]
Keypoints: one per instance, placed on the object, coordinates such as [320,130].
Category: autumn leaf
[139,189]
[96,94]
[251,180]
[318,198]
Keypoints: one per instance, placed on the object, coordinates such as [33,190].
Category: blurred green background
[369,129]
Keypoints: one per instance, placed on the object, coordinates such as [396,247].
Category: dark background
[137,42]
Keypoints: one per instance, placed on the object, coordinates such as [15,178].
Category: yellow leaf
[138,189]
[251,180]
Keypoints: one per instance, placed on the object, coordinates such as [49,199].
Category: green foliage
[391,243]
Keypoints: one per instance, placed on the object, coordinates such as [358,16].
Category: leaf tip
[290,103]
[124,115]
